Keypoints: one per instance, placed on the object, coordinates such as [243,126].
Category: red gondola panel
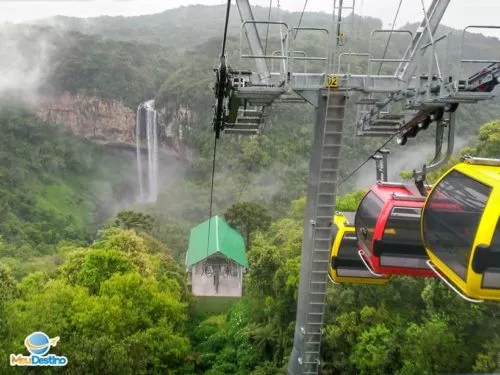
[388,228]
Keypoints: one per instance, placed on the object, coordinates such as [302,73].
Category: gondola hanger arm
[437,161]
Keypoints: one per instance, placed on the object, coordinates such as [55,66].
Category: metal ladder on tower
[322,226]
[325,201]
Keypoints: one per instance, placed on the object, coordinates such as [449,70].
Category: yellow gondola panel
[461,229]
[345,264]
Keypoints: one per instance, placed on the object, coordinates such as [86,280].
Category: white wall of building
[203,285]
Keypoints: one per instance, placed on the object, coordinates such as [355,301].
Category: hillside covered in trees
[80,260]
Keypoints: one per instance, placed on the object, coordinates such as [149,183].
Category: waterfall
[146,122]
[138,149]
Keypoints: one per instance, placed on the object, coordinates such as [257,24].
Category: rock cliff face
[91,118]
[110,122]
[174,122]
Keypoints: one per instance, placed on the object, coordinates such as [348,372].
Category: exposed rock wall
[109,121]
[91,118]
[174,122]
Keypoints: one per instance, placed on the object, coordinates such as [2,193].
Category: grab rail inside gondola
[368,267]
[450,285]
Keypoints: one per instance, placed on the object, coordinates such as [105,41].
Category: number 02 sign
[332,81]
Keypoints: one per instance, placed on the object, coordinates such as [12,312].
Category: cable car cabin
[461,228]
[345,265]
[388,229]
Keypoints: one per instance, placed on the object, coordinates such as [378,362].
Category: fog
[403,158]
[25,60]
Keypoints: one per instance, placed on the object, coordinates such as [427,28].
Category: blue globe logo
[38,343]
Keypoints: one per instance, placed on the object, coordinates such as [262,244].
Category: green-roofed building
[216,262]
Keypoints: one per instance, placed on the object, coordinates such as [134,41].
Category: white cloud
[23,65]
[460,13]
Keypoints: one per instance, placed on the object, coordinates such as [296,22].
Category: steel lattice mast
[425,98]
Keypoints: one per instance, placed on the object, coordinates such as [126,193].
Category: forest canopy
[80,259]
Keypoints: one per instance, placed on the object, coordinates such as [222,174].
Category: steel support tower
[424,96]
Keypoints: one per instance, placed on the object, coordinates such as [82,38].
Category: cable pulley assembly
[222,84]
[221,90]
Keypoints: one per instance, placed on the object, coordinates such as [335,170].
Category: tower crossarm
[430,23]
[253,39]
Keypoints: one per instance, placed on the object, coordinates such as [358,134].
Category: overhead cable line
[390,34]
[268,20]
[360,19]
[368,159]
[219,110]
[211,192]
[281,38]
[300,19]
[225,28]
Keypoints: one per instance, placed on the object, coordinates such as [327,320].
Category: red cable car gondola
[388,228]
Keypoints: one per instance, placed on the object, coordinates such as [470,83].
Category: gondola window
[348,258]
[452,217]
[491,278]
[402,243]
[366,220]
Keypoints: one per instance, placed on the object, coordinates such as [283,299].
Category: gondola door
[460,229]
[346,266]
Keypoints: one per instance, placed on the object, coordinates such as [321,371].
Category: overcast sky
[460,13]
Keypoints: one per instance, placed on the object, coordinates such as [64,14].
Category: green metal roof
[223,239]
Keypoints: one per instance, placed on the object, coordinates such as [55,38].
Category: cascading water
[138,149]
[146,121]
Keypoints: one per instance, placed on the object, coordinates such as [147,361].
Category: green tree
[248,217]
[254,155]
[489,140]
[7,292]
[7,284]
[117,307]
[374,352]
[432,348]
[489,359]
[91,268]
[349,202]
[134,220]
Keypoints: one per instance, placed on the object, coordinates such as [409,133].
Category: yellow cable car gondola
[346,265]
[461,228]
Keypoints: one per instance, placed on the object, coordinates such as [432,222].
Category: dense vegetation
[119,305]
[113,287]
[55,187]
[129,71]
